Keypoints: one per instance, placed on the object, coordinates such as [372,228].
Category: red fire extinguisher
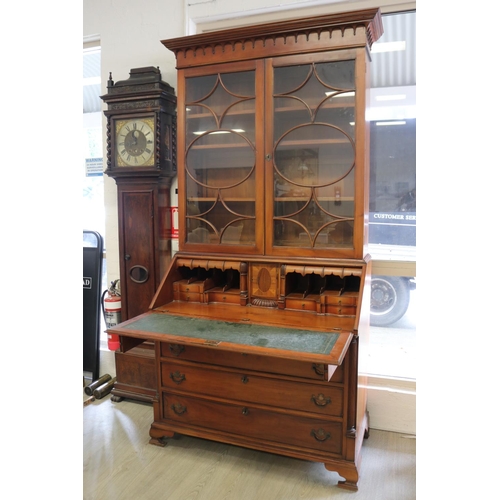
[112,311]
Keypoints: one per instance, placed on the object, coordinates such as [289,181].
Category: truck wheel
[390,297]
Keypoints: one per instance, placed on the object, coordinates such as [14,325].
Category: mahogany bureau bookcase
[258,320]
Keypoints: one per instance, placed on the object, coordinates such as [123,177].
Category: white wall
[130,33]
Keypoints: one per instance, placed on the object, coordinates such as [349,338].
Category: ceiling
[388,69]
[395,68]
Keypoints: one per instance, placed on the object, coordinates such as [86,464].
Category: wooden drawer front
[339,300]
[136,367]
[224,297]
[189,287]
[189,296]
[301,304]
[254,362]
[259,424]
[325,399]
[340,310]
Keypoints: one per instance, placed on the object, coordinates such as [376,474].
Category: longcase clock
[141,141]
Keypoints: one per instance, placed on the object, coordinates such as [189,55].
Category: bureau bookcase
[259,319]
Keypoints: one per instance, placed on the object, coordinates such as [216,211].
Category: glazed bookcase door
[312,137]
[222,210]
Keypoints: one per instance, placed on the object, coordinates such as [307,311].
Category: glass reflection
[220,158]
[314,155]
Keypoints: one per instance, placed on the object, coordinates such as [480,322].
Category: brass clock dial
[135,142]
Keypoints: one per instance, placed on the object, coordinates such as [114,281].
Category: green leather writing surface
[289,339]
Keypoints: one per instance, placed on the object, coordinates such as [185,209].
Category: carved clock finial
[110,80]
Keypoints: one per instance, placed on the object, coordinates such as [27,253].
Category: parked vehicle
[393,230]
[390,298]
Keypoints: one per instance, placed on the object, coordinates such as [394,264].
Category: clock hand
[133,141]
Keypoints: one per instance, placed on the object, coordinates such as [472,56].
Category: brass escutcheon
[176,349]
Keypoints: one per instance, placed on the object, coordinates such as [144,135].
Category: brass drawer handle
[178,408]
[320,435]
[244,379]
[176,349]
[320,400]
[318,368]
[178,377]
[244,411]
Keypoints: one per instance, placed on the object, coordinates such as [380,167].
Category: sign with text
[93,167]
[393,228]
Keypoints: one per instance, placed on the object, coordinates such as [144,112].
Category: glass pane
[200,88]
[220,158]
[393,321]
[393,195]
[392,116]
[314,154]
[392,230]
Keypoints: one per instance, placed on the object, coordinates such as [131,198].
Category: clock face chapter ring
[135,142]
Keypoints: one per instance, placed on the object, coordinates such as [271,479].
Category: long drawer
[255,423]
[323,398]
[253,362]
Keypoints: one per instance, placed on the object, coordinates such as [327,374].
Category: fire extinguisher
[112,311]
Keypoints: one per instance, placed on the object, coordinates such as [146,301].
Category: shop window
[92,161]
[393,202]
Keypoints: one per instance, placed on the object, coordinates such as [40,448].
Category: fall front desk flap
[241,336]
